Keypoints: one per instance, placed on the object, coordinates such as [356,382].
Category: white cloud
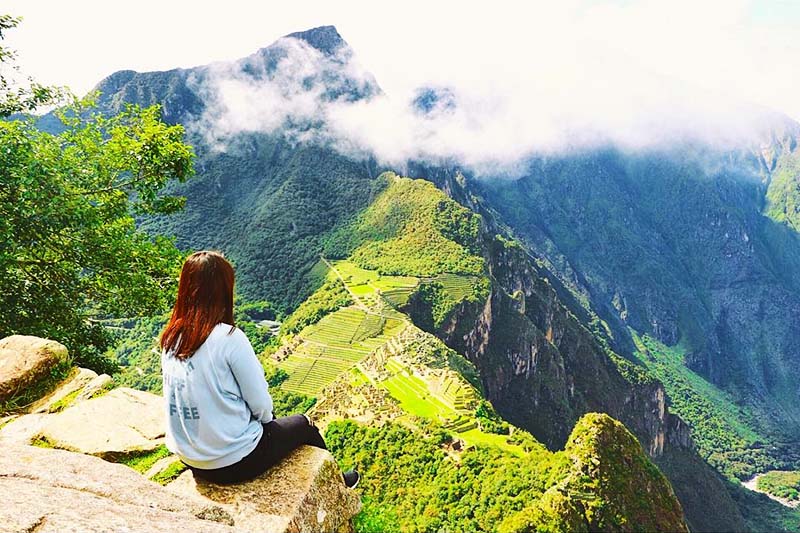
[527,75]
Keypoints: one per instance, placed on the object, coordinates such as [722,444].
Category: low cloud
[490,125]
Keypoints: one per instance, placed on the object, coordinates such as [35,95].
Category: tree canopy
[70,251]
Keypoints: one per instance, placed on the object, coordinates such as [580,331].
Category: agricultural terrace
[396,290]
[448,406]
[334,345]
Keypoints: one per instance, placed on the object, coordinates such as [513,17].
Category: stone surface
[121,422]
[75,382]
[24,360]
[22,429]
[304,493]
[95,387]
[53,490]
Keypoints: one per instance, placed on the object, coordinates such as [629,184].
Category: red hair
[205,298]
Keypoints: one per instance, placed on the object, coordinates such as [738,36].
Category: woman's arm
[249,375]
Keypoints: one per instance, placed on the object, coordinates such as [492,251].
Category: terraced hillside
[334,345]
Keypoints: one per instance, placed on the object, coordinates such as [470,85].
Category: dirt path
[752,484]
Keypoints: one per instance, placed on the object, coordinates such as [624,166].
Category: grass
[457,286]
[65,402]
[477,437]
[414,397]
[726,433]
[335,345]
[141,462]
[170,473]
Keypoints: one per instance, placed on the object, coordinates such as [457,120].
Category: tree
[70,252]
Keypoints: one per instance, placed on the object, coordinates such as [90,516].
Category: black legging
[280,437]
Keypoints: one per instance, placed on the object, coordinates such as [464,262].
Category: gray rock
[53,490]
[25,360]
[119,423]
[303,493]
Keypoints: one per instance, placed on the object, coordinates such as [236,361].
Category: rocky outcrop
[50,487]
[542,367]
[610,485]
[304,493]
[119,423]
[26,361]
[48,490]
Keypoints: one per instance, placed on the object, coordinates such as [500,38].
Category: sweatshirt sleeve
[249,375]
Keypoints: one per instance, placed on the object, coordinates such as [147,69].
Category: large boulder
[48,490]
[26,361]
[303,493]
[117,424]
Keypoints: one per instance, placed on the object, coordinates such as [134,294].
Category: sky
[632,68]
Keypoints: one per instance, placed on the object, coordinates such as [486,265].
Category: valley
[604,339]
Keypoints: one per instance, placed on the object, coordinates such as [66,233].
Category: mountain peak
[326,39]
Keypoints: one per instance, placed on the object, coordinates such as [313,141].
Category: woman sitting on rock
[218,407]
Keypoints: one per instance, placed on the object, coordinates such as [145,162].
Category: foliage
[289,403]
[727,435]
[137,352]
[429,306]
[141,462]
[411,229]
[409,482]
[781,484]
[269,205]
[16,96]
[489,420]
[328,298]
[70,253]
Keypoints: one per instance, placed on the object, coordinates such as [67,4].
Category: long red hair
[205,298]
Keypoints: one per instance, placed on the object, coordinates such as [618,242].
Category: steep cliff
[543,367]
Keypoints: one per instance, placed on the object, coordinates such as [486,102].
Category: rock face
[304,493]
[25,360]
[543,368]
[46,490]
[53,491]
[119,423]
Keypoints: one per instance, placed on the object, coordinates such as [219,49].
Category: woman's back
[216,400]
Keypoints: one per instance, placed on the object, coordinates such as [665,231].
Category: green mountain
[482,320]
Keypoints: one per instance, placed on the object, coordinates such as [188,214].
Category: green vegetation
[17,96]
[328,298]
[70,251]
[411,229]
[782,484]
[413,394]
[141,462]
[170,473]
[725,433]
[783,196]
[64,402]
[334,345]
[410,483]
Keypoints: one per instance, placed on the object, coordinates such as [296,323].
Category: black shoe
[351,479]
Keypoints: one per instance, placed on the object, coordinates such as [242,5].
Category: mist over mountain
[653,229]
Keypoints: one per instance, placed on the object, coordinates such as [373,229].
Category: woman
[218,407]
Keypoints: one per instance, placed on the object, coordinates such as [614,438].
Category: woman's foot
[351,479]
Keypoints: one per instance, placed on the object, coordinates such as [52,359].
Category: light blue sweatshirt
[215,401]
